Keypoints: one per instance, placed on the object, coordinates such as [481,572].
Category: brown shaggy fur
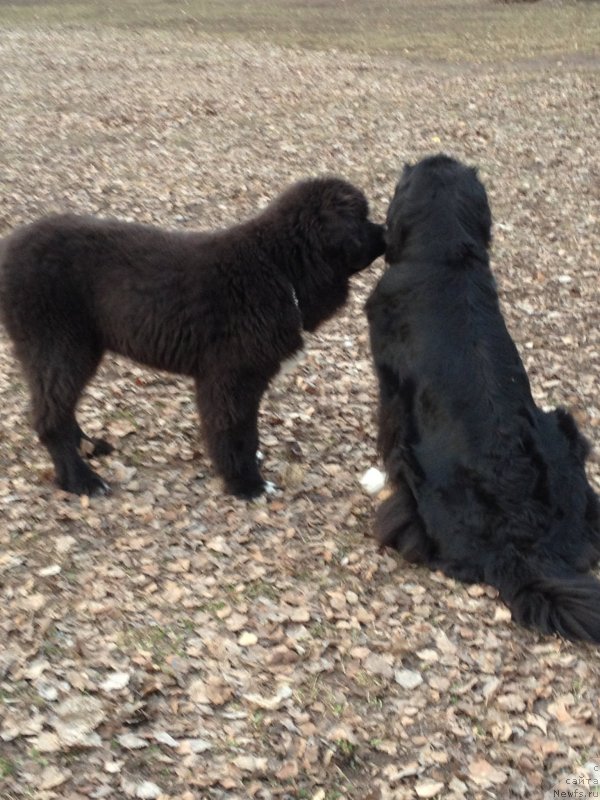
[224,307]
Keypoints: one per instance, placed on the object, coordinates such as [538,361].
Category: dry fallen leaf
[247,639]
[219,693]
[510,702]
[341,732]
[75,720]
[115,681]
[165,738]
[558,709]
[250,763]
[52,777]
[148,791]
[269,703]
[194,746]
[428,788]
[408,678]
[481,771]
[131,742]
[379,665]
[288,770]
[47,742]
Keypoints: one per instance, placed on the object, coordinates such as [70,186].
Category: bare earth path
[170,642]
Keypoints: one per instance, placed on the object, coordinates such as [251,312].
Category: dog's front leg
[228,407]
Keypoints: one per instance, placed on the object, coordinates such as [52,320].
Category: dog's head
[439,199]
[330,238]
[349,240]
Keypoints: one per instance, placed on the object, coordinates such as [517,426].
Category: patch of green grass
[368,680]
[577,688]
[257,719]
[122,414]
[314,690]
[54,644]
[438,30]
[211,607]
[376,702]
[346,751]
[159,640]
[36,756]
[7,767]
[319,630]
[258,588]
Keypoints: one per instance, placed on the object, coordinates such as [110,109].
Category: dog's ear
[352,199]
[342,208]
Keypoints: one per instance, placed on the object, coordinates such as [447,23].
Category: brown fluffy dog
[224,307]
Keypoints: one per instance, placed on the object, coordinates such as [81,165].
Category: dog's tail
[566,604]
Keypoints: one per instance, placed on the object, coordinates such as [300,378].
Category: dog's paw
[253,491]
[270,491]
[246,490]
[88,484]
[99,489]
[373,480]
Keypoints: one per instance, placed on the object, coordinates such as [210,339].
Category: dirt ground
[170,642]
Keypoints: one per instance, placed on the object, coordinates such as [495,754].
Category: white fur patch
[270,488]
[260,456]
[373,480]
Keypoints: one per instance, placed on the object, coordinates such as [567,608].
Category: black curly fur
[224,307]
[488,487]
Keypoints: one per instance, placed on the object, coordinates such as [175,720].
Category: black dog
[487,487]
[223,307]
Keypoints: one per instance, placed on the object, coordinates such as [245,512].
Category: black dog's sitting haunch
[487,487]
[225,308]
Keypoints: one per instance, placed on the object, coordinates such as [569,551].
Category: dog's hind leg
[228,406]
[57,375]
[399,525]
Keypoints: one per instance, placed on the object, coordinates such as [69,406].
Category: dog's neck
[452,250]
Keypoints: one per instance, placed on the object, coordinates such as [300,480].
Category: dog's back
[123,286]
[489,488]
